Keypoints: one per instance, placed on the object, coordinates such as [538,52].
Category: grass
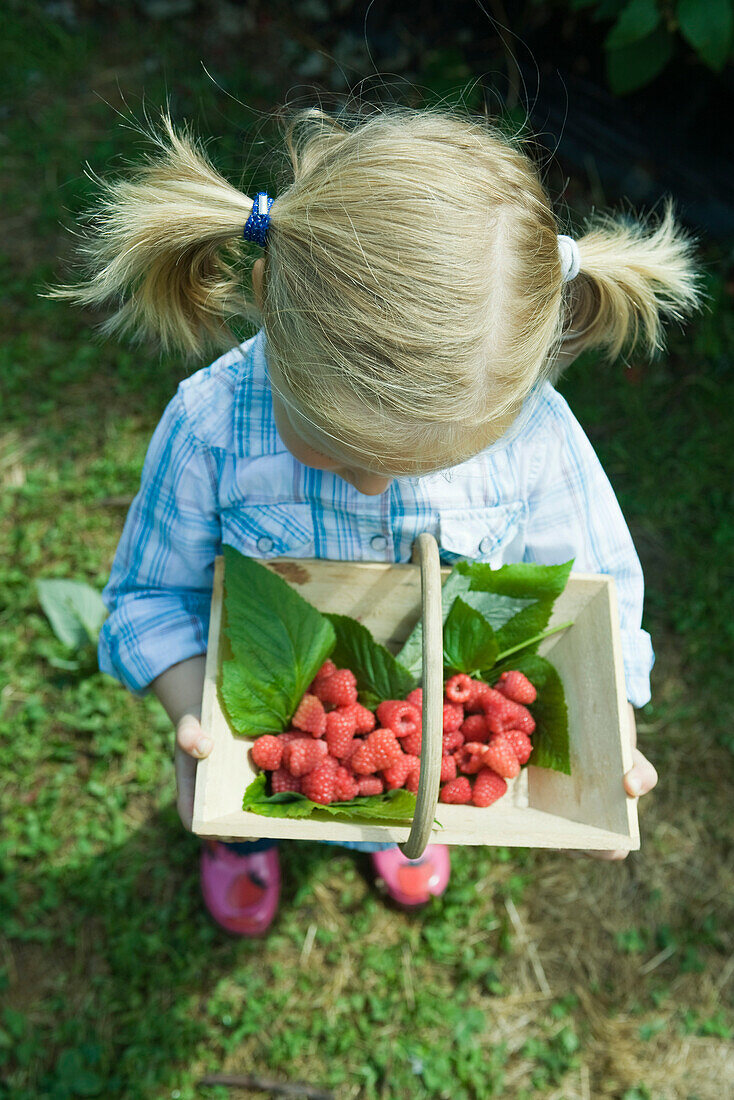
[535,975]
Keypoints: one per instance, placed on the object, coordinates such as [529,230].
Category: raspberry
[475,728]
[345,785]
[522,746]
[401,718]
[456,791]
[452,741]
[302,756]
[267,752]
[282,780]
[339,732]
[520,718]
[453,716]
[448,768]
[516,686]
[415,698]
[499,755]
[310,716]
[318,785]
[287,736]
[488,787]
[470,757]
[340,688]
[327,669]
[396,774]
[479,693]
[459,688]
[384,746]
[412,743]
[364,719]
[497,708]
[371,784]
[411,783]
[357,743]
[363,760]
[502,713]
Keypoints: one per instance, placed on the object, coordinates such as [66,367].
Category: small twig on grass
[264,1084]
[656,960]
[308,944]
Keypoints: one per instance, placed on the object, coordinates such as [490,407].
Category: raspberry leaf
[469,642]
[379,675]
[516,600]
[277,643]
[398,805]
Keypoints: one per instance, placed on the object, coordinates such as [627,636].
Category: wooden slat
[432,679]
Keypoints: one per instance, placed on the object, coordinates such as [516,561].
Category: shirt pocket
[492,534]
[270,530]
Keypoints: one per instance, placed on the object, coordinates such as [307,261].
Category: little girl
[416,304]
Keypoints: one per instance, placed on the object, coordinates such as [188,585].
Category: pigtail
[164,244]
[630,277]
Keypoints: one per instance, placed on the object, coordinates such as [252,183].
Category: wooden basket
[541,809]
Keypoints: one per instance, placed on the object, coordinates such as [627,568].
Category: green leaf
[635,65]
[278,643]
[638,19]
[396,805]
[521,580]
[516,600]
[379,675]
[550,739]
[469,642]
[74,609]
[708,27]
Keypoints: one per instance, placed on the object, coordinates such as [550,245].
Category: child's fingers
[185,768]
[641,777]
[191,737]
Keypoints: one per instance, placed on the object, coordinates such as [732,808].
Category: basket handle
[432,742]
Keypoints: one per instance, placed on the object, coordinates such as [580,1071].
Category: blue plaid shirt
[217,472]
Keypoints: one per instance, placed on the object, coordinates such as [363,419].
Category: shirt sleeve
[574,513]
[159,590]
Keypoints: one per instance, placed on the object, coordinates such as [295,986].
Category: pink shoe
[240,891]
[410,882]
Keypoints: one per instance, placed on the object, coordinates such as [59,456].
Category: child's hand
[640,779]
[192,744]
[180,689]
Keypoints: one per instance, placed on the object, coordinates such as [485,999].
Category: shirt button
[264,544]
[378,542]
[486,545]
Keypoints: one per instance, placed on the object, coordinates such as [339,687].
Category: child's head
[411,289]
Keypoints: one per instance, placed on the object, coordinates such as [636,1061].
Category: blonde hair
[412,291]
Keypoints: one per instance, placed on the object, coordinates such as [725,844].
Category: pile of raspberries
[338,749]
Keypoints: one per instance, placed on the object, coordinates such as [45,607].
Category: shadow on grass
[121,974]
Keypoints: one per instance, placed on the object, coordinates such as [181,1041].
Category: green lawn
[535,975]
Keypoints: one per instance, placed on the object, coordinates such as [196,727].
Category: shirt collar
[253,421]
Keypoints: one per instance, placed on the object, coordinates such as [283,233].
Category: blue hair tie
[256,226]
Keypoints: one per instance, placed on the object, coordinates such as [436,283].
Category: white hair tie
[570,257]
